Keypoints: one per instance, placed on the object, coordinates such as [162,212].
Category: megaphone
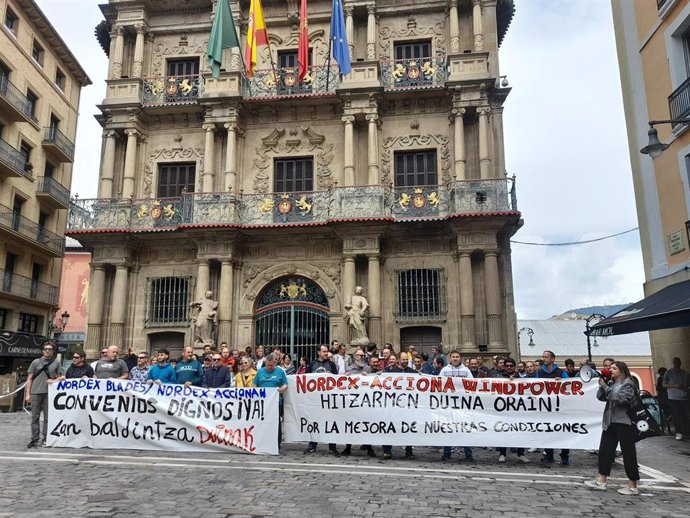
[587,373]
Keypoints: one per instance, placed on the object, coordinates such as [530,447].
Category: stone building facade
[40,86]
[281,197]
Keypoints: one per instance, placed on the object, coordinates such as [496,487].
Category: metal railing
[13,159]
[51,186]
[679,101]
[30,229]
[58,138]
[172,89]
[414,73]
[26,287]
[373,202]
[285,82]
[660,4]
[17,99]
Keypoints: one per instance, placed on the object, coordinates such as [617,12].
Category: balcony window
[294,174]
[168,301]
[32,99]
[183,67]
[11,21]
[420,295]
[3,318]
[289,82]
[415,168]
[25,151]
[37,52]
[48,170]
[412,50]
[28,323]
[174,178]
[60,79]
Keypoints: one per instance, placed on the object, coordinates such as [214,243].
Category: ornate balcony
[52,192]
[14,105]
[414,73]
[679,101]
[30,232]
[26,288]
[57,144]
[172,90]
[12,162]
[374,202]
[285,82]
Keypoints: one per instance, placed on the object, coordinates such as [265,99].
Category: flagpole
[328,63]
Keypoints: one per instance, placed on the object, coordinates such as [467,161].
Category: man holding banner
[269,376]
[456,369]
[401,367]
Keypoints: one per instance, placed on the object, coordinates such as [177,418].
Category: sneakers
[596,485]
[679,437]
[546,461]
[346,452]
[371,452]
[309,451]
[334,452]
[32,444]
[410,456]
[627,490]
[565,461]
[387,456]
[523,459]
[501,459]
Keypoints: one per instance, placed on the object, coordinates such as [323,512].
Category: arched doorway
[292,313]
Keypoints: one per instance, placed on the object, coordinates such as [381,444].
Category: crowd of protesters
[262,367]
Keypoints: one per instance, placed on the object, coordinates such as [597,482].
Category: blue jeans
[447,450]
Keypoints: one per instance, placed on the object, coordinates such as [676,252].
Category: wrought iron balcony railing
[679,101]
[13,159]
[172,90]
[285,82]
[10,220]
[18,100]
[373,202]
[57,138]
[414,73]
[28,288]
[50,186]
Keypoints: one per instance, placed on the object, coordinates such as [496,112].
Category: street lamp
[654,147]
[588,330]
[64,320]
[530,333]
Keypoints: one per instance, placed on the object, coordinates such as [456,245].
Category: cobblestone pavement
[109,483]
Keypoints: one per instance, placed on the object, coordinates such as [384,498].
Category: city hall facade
[282,196]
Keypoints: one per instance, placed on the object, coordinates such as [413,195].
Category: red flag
[303,42]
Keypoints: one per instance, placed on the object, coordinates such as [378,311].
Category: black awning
[667,308]
[20,344]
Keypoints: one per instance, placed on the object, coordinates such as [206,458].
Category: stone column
[373,150]
[493,299]
[225,302]
[139,50]
[130,163]
[119,306]
[484,158]
[374,299]
[454,27]
[371,32]
[477,25]
[119,34]
[231,158]
[468,336]
[107,172]
[348,278]
[350,30]
[209,158]
[95,314]
[459,142]
[348,154]
[202,279]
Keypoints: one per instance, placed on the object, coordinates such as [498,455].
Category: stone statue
[205,320]
[356,318]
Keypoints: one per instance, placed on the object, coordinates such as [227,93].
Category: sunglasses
[47,348]
[216,359]
[143,357]
[76,357]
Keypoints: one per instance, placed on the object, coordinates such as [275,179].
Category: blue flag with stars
[341,52]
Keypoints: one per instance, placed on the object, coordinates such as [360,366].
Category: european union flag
[341,52]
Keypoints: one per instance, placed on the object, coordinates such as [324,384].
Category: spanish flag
[256,35]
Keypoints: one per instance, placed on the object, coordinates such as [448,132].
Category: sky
[565,140]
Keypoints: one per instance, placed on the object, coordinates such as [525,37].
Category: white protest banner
[412,410]
[127,414]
